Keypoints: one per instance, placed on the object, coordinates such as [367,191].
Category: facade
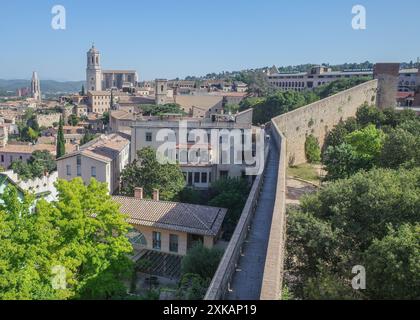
[102,158]
[171,227]
[318,76]
[198,174]
[98,79]
[118,79]
[99,101]
[12,152]
[408,79]
[35,87]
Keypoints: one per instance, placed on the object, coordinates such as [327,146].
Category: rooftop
[28,148]
[182,217]
[103,148]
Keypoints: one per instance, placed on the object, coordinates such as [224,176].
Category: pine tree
[61,144]
[83,90]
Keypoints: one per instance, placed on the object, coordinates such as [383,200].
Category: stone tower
[93,70]
[35,87]
[387,76]
[161,91]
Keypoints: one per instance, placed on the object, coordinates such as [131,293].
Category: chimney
[138,193]
[155,194]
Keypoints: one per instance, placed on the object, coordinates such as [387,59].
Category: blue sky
[176,38]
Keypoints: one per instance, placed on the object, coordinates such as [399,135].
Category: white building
[103,158]
[43,187]
[321,75]
[197,174]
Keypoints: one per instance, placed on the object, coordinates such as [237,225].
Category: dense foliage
[74,248]
[374,139]
[312,149]
[40,163]
[197,270]
[366,214]
[156,110]
[147,172]
[352,222]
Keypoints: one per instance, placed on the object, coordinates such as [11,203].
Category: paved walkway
[247,280]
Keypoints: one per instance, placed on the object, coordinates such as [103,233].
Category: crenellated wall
[320,117]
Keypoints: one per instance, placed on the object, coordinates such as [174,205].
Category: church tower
[35,87]
[161,91]
[93,70]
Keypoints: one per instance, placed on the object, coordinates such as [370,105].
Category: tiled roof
[182,217]
[26,148]
[104,148]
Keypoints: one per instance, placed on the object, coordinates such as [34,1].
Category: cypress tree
[61,144]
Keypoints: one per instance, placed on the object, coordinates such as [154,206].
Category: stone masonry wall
[320,117]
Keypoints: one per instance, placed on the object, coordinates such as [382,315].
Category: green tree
[39,163]
[73,120]
[147,172]
[341,162]
[367,115]
[230,193]
[201,261]
[367,143]
[192,287]
[61,143]
[345,224]
[312,149]
[82,92]
[401,148]
[393,264]
[83,232]
[87,137]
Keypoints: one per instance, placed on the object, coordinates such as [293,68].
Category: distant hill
[47,86]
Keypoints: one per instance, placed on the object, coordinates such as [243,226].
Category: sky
[177,38]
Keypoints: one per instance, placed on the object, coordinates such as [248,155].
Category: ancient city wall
[320,117]
[272,284]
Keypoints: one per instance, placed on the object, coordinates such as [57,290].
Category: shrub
[312,149]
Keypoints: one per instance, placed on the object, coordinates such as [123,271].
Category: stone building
[98,79]
[103,158]
[35,87]
[171,227]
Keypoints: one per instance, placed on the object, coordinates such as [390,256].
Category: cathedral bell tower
[93,70]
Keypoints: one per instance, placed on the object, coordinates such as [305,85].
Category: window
[148,136]
[68,169]
[157,240]
[79,170]
[204,177]
[2,158]
[93,172]
[196,177]
[190,178]
[173,243]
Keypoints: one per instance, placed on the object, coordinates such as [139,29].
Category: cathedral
[101,80]
[35,87]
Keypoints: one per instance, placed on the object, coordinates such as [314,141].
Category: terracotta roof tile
[190,218]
